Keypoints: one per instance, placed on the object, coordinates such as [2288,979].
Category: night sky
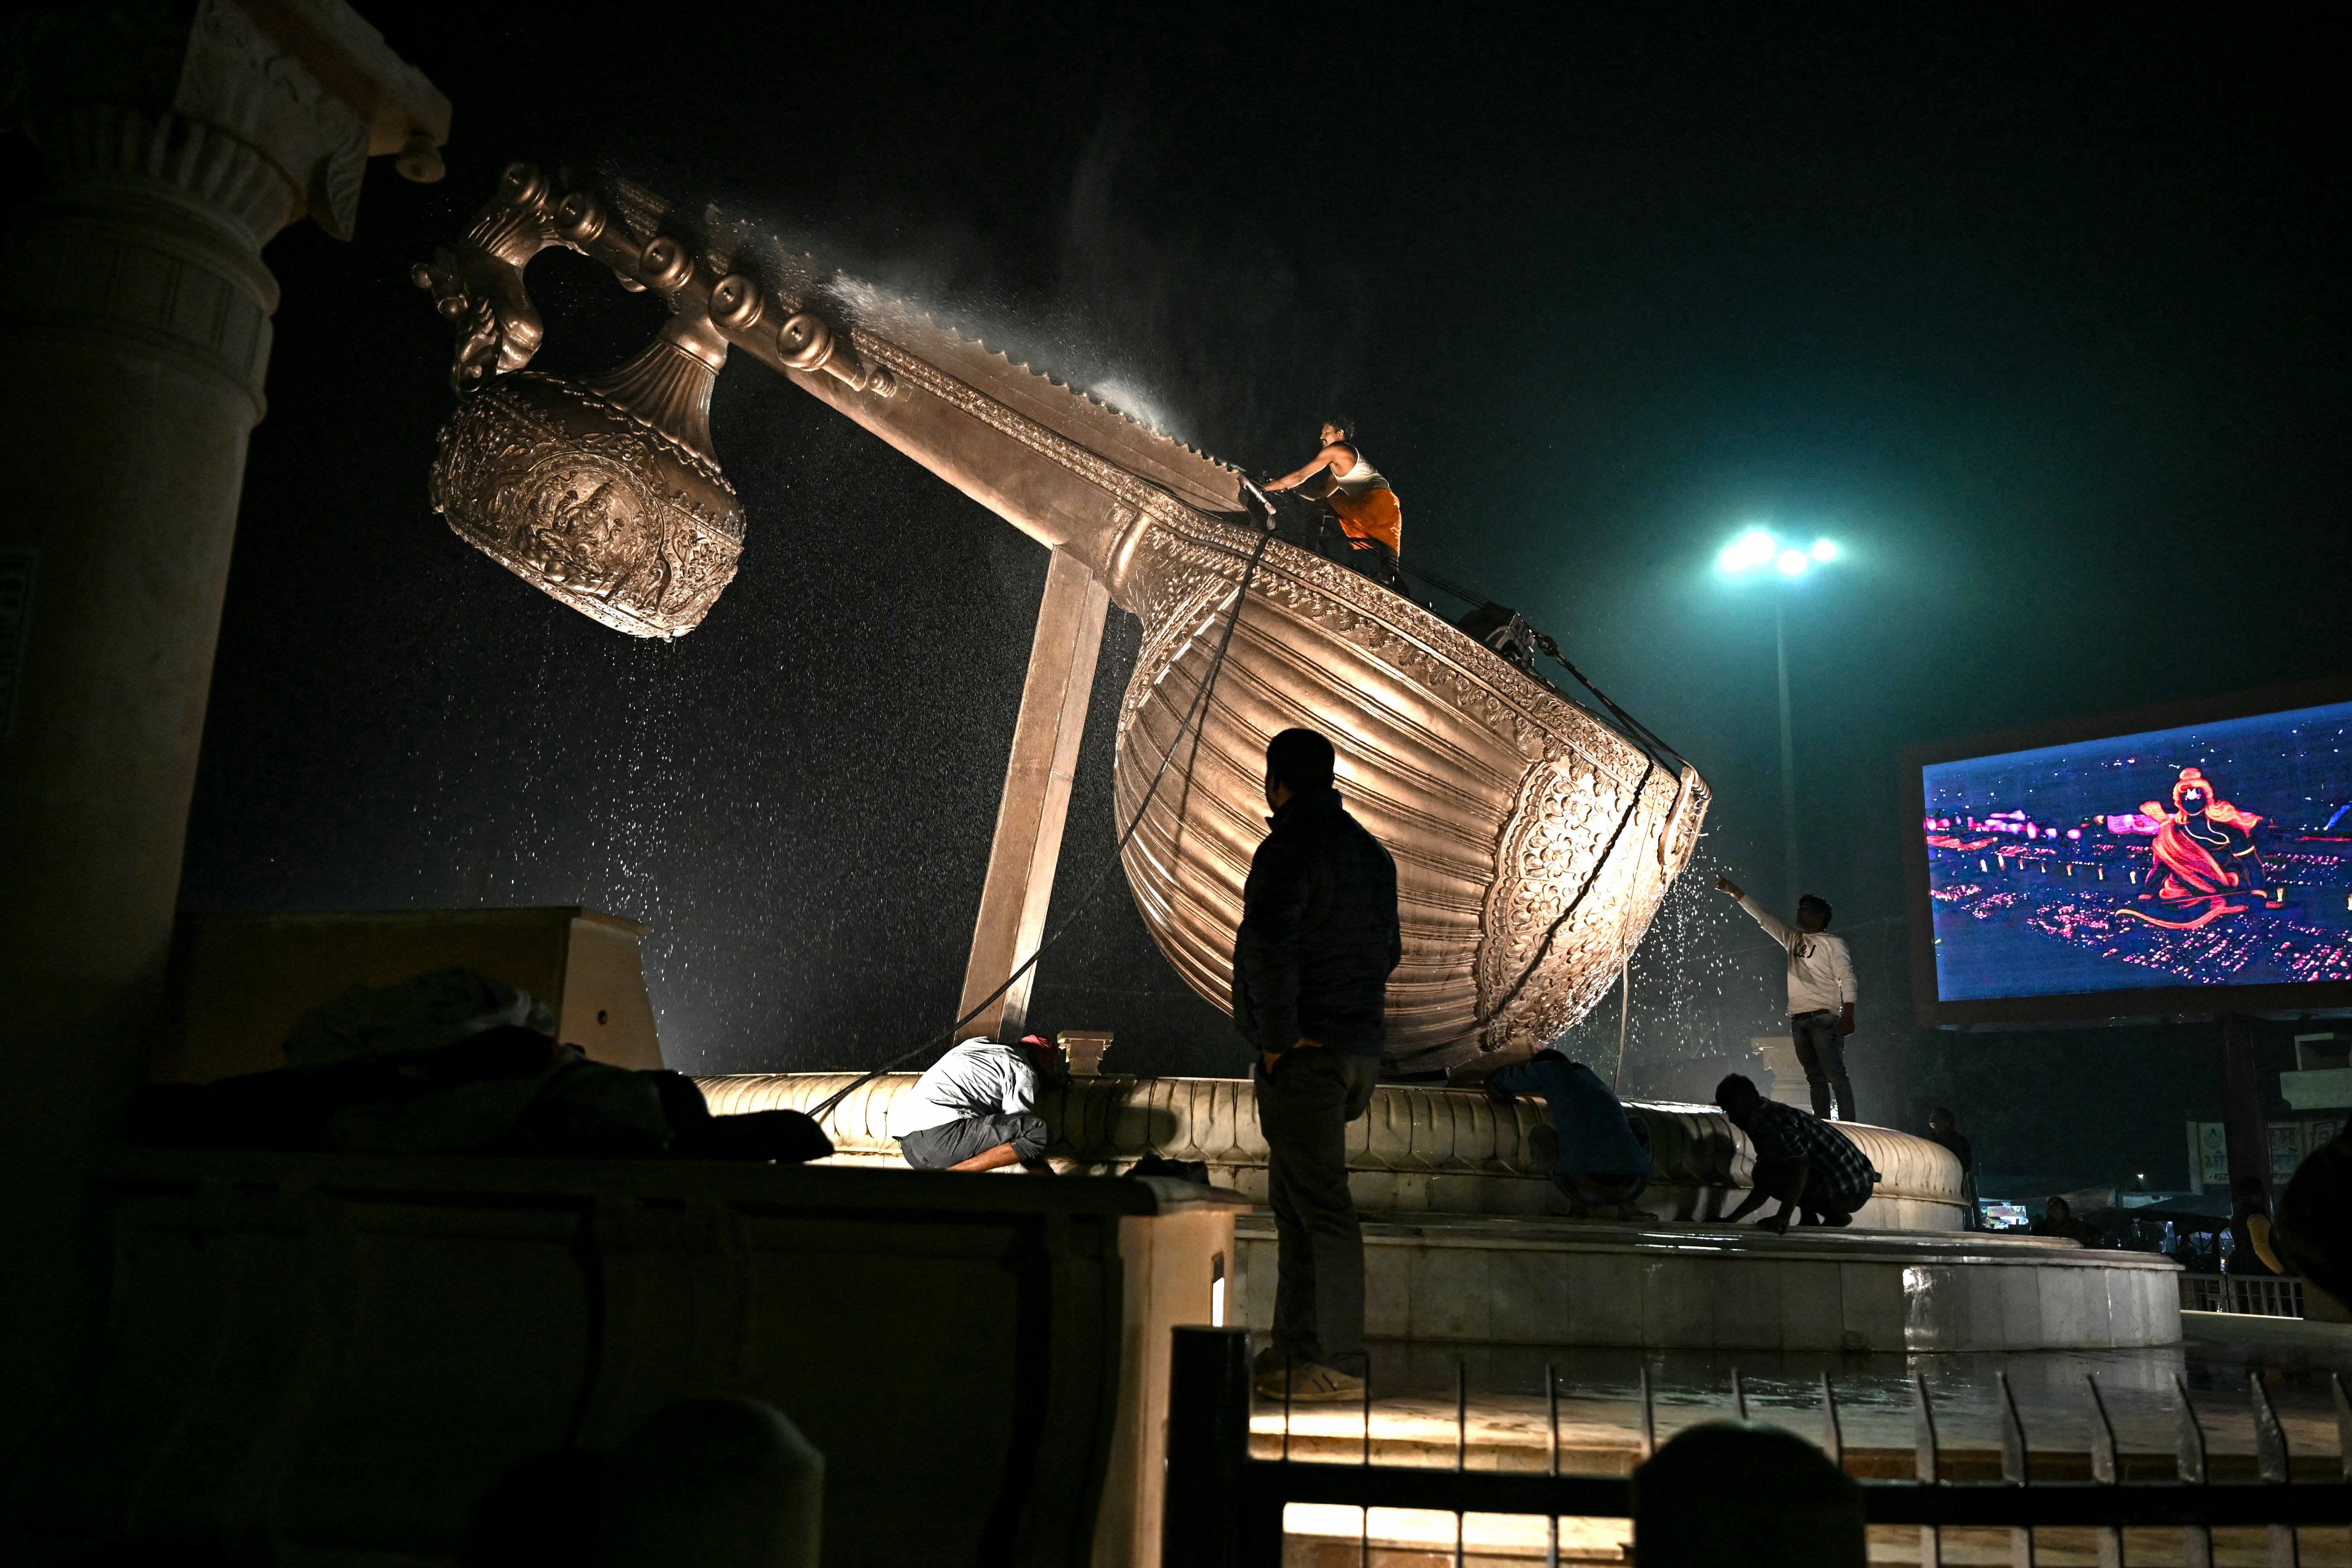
[2042,318]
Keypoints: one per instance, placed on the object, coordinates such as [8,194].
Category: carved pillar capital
[305,89]
[179,138]
[152,238]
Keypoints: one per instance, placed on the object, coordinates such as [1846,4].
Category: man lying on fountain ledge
[976,1108]
[1806,1162]
[1596,1155]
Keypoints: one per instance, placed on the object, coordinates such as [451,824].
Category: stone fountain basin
[1467,1241]
[1418,1150]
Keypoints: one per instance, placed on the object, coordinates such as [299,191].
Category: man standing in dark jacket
[1311,961]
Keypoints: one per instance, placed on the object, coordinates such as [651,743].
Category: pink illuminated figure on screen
[2204,858]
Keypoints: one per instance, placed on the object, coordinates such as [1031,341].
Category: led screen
[2212,854]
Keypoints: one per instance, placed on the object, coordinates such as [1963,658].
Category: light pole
[1788,753]
[1759,552]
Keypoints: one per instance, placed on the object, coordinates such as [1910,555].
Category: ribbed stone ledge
[1417,1151]
[1457,1280]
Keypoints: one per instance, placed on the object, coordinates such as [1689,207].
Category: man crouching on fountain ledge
[1311,960]
[1802,1159]
[976,1108]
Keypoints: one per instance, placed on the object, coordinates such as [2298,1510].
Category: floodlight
[1793,561]
[1825,551]
[1753,548]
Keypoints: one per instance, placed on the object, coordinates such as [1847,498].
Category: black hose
[1636,732]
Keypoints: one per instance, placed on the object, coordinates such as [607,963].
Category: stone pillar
[134,327]
[1036,795]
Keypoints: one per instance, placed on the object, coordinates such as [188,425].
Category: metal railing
[1225,1508]
[2257,1294]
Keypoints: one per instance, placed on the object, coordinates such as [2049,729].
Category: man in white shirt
[1820,994]
[976,1108]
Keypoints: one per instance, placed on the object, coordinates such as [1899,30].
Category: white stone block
[2066,1310]
[1259,1276]
[2163,1308]
[1388,1289]
[1528,1295]
[1811,1317]
[1604,1299]
[2021,1303]
[1745,1293]
[1985,1306]
[1450,1290]
[2126,1307]
[1872,1297]
[1457,1192]
[1675,1305]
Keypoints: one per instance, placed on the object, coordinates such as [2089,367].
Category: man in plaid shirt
[1802,1160]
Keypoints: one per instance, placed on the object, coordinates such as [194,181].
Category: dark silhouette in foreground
[1741,1492]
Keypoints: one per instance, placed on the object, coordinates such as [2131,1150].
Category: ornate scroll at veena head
[609,512]
[1500,799]
[605,493]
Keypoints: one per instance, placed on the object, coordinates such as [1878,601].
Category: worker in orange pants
[1371,523]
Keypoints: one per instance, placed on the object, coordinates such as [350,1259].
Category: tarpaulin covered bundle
[456,1062]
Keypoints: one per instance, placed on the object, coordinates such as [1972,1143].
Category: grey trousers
[1303,1110]
[937,1148]
[1820,1051]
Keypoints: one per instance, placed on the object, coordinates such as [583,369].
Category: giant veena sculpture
[1533,839]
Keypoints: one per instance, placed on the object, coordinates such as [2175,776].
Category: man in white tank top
[1371,520]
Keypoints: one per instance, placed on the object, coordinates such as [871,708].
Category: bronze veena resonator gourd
[1498,796]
